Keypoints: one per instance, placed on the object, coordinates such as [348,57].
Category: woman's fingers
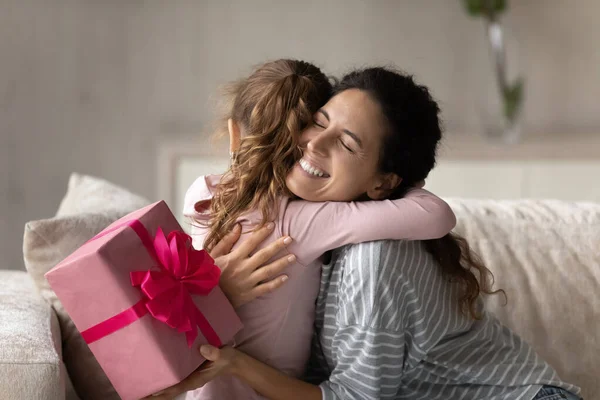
[195,380]
[239,275]
[267,287]
[266,272]
[198,378]
[270,251]
[252,242]
[226,244]
[168,394]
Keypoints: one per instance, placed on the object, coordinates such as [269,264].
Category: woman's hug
[341,266]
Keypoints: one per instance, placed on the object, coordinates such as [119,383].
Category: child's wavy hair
[272,106]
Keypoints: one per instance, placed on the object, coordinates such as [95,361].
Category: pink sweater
[278,326]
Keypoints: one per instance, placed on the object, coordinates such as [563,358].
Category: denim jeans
[554,393]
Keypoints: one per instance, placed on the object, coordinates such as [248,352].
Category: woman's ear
[235,136]
[384,186]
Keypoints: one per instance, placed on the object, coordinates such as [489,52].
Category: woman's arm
[229,361]
[271,383]
[320,227]
[370,368]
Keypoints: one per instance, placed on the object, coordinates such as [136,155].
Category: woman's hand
[218,362]
[228,361]
[245,277]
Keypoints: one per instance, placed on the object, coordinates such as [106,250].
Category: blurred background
[124,90]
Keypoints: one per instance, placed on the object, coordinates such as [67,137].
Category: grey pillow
[89,206]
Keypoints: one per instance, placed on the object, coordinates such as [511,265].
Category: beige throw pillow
[88,194]
[88,207]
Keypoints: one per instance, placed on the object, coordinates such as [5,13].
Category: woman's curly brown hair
[272,106]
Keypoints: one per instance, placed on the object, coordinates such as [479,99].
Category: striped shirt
[389,326]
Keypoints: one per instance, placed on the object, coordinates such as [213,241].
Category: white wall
[88,85]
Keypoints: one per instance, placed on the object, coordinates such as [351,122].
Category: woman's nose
[319,143]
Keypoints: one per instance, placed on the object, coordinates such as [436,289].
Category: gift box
[144,300]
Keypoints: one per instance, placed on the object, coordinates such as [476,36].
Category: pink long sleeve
[320,227]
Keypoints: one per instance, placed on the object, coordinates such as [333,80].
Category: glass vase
[502,101]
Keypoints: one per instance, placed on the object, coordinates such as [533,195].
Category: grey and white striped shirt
[389,326]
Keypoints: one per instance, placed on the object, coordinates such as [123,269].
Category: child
[270,109]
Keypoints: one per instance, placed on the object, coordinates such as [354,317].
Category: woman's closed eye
[319,124]
[344,145]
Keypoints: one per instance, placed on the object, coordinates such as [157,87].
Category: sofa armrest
[30,345]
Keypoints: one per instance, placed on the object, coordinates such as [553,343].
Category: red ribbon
[167,292]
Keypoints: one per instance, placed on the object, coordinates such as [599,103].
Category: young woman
[395,320]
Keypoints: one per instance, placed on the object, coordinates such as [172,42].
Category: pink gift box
[94,285]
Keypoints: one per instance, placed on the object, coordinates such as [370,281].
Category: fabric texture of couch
[30,342]
[544,254]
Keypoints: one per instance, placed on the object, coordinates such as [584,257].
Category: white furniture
[562,167]
[569,180]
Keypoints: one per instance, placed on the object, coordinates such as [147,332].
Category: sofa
[545,255]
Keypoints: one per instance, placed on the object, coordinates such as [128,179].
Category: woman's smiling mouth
[311,169]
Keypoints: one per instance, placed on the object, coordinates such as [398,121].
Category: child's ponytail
[271,107]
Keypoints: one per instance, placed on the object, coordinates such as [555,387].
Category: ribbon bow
[167,293]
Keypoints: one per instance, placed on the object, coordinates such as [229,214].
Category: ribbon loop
[168,292]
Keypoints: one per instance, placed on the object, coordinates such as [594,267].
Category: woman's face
[341,150]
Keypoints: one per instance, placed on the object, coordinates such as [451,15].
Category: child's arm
[319,227]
